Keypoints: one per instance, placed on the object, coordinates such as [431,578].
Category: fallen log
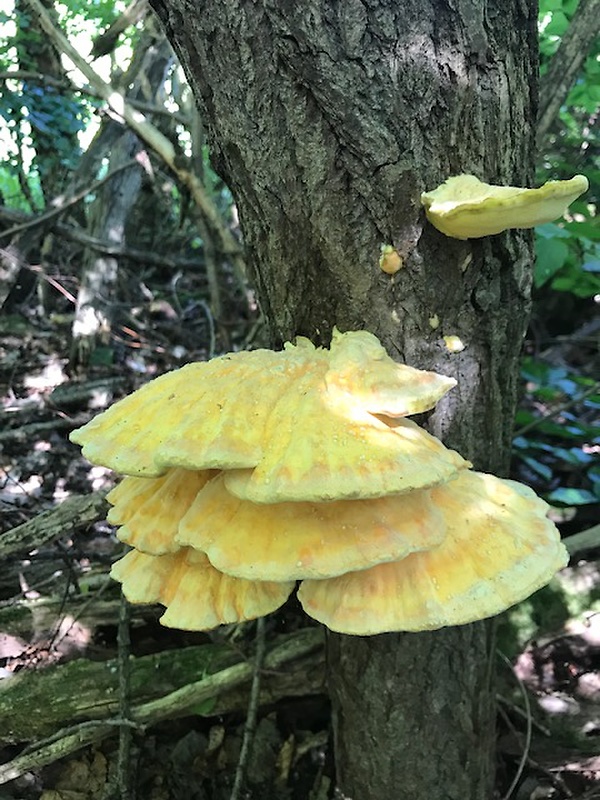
[89,689]
[75,512]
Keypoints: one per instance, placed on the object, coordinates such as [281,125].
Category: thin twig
[124,771]
[211,327]
[250,726]
[67,86]
[60,205]
[558,410]
[527,747]
[519,712]
[554,778]
[56,640]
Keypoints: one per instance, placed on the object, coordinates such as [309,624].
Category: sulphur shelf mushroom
[466,208]
[253,471]
[496,551]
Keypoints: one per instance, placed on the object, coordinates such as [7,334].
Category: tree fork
[327,120]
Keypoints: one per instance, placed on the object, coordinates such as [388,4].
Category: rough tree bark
[328,120]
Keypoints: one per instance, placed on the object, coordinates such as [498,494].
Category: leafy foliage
[568,257]
[559,443]
[574,141]
[558,437]
[40,120]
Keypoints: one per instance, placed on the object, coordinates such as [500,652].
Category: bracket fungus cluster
[255,470]
[464,207]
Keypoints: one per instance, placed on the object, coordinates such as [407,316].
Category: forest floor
[58,612]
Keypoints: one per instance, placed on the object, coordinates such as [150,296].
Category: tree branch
[68,86]
[566,62]
[60,204]
[287,650]
[105,42]
[161,145]
[74,512]
[251,716]
[74,234]
[582,541]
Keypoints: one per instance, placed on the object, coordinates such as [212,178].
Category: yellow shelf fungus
[464,207]
[289,541]
[256,470]
[197,596]
[499,548]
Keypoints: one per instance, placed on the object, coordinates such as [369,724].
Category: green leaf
[576,281]
[550,230]
[550,5]
[557,25]
[571,497]
[591,266]
[551,254]
[543,470]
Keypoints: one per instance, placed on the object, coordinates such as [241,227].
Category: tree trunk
[111,211]
[328,120]
[565,64]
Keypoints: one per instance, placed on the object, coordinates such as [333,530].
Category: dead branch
[105,42]
[300,652]
[585,540]
[67,86]
[60,204]
[28,432]
[74,234]
[75,512]
[26,617]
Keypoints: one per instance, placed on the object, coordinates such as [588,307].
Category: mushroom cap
[316,457]
[197,412]
[197,596]
[465,208]
[362,376]
[499,548]
[302,412]
[149,509]
[288,541]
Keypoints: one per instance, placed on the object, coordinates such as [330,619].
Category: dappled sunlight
[11,646]
[304,423]
[51,375]
[246,484]
[100,478]
[71,637]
